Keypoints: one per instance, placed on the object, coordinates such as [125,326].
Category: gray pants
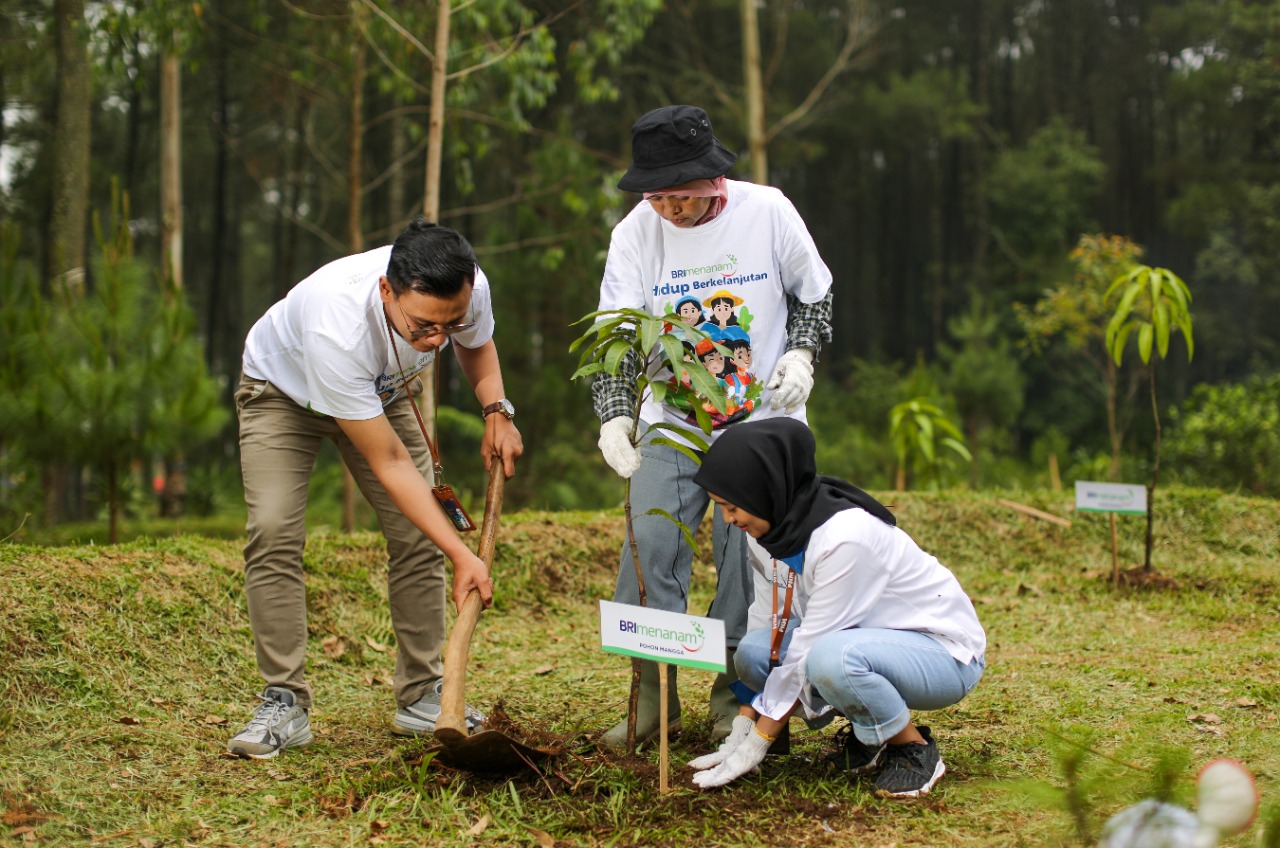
[279,441]
[665,481]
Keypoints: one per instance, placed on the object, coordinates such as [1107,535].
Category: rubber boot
[724,703]
[648,722]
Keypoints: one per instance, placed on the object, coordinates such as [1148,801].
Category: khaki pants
[279,441]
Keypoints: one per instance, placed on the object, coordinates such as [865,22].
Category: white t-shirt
[730,277]
[326,346]
[858,572]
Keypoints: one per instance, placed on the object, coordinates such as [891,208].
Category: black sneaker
[910,770]
[852,755]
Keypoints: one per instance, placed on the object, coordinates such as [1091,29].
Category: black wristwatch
[504,406]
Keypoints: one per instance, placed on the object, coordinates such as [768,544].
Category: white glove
[615,444]
[749,753]
[792,380]
[742,726]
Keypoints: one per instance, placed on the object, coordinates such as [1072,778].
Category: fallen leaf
[270,800]
[19,831]
[1246,703]
[334,646]
[216,721]
[544,669]
[379,825]
[479,827]
[545,839]
[1207,718]
[1028,589]
[146,842]
[129,720]
[375,644]
[161,702]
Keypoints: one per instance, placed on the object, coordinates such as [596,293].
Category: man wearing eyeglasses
[336,359]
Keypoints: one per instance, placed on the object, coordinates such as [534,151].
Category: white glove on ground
[749,753]
[742,726]
[792,380]
[615,444]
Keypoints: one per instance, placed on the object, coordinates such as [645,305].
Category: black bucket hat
[673,145]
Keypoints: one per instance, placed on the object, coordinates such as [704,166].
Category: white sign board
[669,637]
[1111,497]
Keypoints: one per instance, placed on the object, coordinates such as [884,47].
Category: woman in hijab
[857,619]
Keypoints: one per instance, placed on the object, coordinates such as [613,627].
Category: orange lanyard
[780,625]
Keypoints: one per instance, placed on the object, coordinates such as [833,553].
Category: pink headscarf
[717,189]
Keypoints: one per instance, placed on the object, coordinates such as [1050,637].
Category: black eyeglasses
[432,329]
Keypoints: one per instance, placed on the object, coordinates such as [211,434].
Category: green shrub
[1228,436]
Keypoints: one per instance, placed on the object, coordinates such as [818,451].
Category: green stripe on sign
[702,664]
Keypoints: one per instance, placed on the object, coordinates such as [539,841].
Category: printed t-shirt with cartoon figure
[728,278]
[326,345]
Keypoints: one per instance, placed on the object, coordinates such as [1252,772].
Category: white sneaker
[278,723]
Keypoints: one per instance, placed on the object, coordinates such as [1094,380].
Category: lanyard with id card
[442,491]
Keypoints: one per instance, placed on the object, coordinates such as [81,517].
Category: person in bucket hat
[698,233]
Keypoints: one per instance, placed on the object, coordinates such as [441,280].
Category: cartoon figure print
[722,304]
[732,371]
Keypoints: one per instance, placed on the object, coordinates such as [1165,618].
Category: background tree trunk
[431,195]
[355,202]
[175,485]
[64,241]
[757,153]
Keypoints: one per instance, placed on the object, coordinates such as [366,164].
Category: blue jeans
[873,677]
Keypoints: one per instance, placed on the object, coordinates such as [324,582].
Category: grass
[123,670]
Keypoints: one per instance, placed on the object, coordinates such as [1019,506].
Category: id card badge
[453,508]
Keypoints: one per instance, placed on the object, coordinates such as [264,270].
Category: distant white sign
[669,637]
[1111,497]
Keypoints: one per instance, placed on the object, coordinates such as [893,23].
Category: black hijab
[767,468]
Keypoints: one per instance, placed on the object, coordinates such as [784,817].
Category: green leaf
[1163,325]
[959,448]
[1125,306]
[1176,290]
[1128,278]
[587,371]
[925,444]
[1184,324]
[649,335]
[683,432]
[924,423]
[659,388]
[674,445]
[704,419]
[1121,339]
[688,534]
[709,388]
[1145,334]
[672,352]
[613,357]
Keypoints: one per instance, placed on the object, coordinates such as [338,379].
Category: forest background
[974,172]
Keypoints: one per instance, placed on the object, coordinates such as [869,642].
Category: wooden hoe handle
[453,698]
